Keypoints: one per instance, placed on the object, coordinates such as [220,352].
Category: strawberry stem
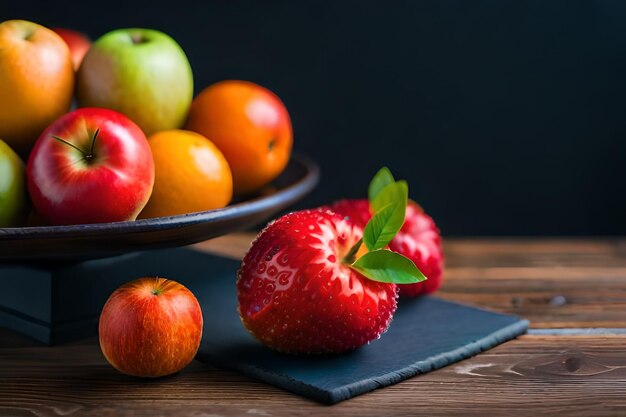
[351,255]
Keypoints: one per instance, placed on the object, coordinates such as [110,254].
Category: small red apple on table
[150,327]
[90,166]
[78,43]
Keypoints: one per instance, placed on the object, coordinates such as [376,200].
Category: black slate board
[426,334]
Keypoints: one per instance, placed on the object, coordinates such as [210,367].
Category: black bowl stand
[59,302]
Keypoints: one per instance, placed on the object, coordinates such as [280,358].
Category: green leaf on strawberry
[382,179]
[389,206]
[397,192]
[388,201]
[383,226]
[389,267]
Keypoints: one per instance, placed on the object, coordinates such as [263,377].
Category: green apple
[142,73]
[12,187]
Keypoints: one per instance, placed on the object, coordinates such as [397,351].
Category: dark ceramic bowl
[90,241]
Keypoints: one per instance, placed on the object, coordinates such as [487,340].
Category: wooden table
[572,362]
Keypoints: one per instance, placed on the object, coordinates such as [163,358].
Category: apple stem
[350,256]
[69,144]
[137,38]
[93,141]
[86,155]
[158,288]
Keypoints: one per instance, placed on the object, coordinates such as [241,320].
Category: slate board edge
[334,396]
[430,364]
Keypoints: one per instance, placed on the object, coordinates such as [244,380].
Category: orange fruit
[250,125]
[36,81]
[190,174]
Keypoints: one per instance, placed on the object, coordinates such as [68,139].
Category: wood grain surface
[534,376]
[557,284]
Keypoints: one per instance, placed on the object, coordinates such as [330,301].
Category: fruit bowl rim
[290,193]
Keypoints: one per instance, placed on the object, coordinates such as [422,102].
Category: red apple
[150,327]
[78,43]
[90,166]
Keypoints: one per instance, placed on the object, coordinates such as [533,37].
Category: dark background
[506,116]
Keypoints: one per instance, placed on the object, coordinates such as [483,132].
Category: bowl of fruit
[104,150]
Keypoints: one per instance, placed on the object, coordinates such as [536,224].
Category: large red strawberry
[313,282]
[418,240]
[298,293]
